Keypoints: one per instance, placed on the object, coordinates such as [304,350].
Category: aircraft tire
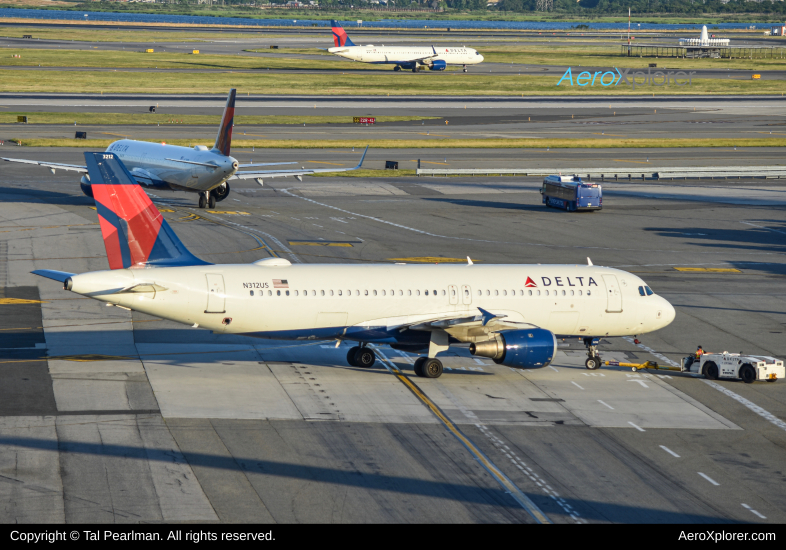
[432,368]
[202,201]
[419,366]
[592,363]
[465,70]
[351,356]
[397,68]
[365,358]
[415,70]
[211,201]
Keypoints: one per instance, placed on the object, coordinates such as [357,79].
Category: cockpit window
[641,290]
[649,291]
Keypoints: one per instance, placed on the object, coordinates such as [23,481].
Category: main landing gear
[361,356]
[428,367]
[207,200]
[397,68]
[593,358]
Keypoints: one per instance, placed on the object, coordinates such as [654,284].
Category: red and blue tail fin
[224,137]
[135,233]
[340,37]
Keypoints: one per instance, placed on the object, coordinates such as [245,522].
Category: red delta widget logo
[657,78]
[561,281]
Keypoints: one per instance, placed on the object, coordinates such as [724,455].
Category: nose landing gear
[593,357]
[465,68]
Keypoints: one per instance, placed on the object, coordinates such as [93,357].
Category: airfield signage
[364,120]
[613,77]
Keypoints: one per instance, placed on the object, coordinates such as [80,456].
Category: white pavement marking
[604,403]
[640,382]
[637,427]
[651,351]
[708,478]
[579,387]
[751,405]
[503,480]
[753,511]
[268,235]
[763,227]
[555,370]
[672,453]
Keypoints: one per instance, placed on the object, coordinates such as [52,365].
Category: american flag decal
[280,283]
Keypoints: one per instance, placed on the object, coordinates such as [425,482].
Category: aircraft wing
[435,54]
[486,320]
[264,174]
[263,164]
[51,165]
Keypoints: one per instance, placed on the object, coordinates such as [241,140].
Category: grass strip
[404,83]
[107,119]
[560,143]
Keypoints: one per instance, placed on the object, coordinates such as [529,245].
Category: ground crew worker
[699,353]
[695,357]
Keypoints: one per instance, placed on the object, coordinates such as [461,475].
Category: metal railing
[622,174]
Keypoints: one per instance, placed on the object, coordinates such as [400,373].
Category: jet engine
[520,349]
[438,65]
[221,192]
[87,189]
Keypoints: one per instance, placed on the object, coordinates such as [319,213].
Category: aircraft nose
[667,312]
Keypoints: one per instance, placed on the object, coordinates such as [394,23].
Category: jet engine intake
[87,189]
[438,65]
[519,349]
[221,192]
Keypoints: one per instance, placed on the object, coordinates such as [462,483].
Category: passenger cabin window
[251,293]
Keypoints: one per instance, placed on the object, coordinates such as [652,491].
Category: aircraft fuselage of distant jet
[198,170]
[403,57]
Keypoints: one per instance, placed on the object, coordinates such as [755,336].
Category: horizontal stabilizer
[50,165]
[264,174]
[52,274]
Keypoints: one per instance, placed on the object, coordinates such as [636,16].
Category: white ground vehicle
[747,368]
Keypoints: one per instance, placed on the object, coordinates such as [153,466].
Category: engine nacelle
[221,192]
[438,65]
[87,189]
[520,349]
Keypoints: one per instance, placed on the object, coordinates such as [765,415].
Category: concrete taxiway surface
[113,416]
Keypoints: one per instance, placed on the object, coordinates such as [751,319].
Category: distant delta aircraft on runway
[198,170]
[403,57]
[509,313]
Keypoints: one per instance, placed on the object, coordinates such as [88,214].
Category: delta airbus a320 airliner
[403,57]
[199,169]
[510,313]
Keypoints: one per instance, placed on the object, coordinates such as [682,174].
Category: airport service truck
[737,366]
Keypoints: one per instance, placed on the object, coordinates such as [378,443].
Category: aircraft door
[466,294]
[613,294]
[454,294]
[216,299]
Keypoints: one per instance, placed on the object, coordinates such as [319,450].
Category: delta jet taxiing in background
[403,57]
[509,313]
[198,170]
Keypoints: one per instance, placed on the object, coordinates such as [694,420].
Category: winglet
[469,261]
[589,262]
[488,316]
[362,158]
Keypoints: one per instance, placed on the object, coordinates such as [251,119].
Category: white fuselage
[148,163]
[401,55]
[371,302]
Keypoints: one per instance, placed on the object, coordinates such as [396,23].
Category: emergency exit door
[216,298]
[613,294]
[466,294]
[453,294]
